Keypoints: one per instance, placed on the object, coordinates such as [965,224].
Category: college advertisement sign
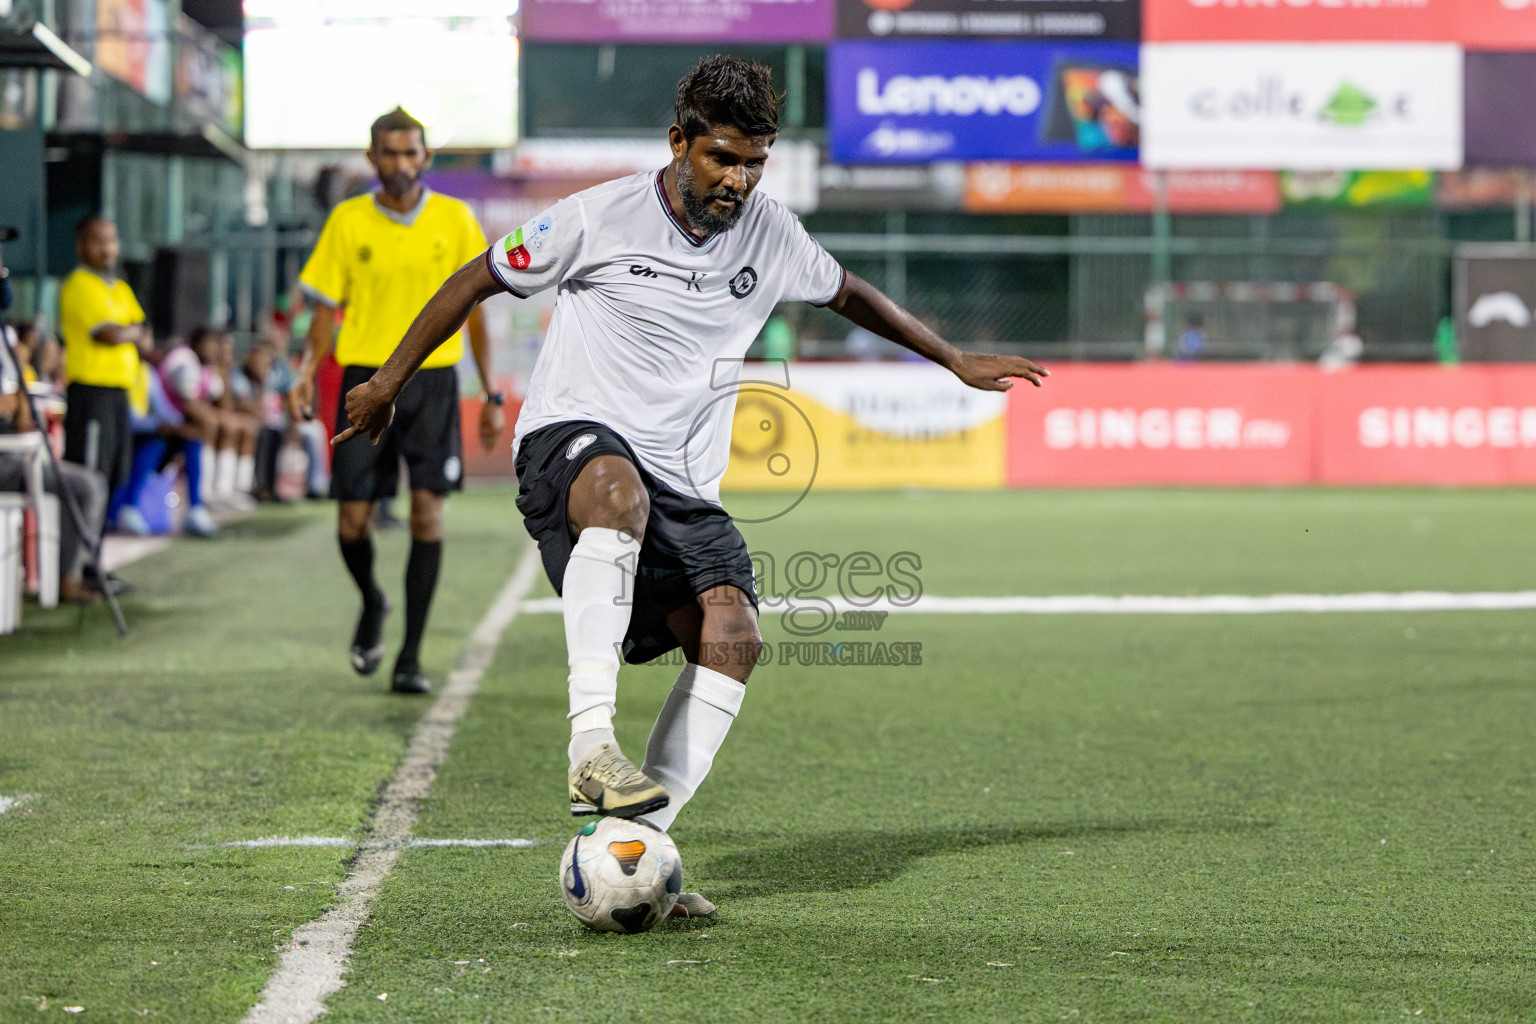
[1475,24]
[1114,188]
[995,19]
[905,102]
[851,426]
[1321,106]
[676,21]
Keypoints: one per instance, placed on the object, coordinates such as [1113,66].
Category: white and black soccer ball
[620,876]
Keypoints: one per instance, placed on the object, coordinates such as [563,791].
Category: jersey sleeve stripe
[318,295]
[842,279]
[490,261]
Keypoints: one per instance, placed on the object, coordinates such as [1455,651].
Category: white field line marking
[311,968]
[269,842]
[1211,604]
[8,802]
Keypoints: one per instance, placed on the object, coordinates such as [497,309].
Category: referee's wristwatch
[495,398]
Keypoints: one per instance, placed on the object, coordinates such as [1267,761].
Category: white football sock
[224,466]
[210,459]
[596,599]
[688,733]
[245,473]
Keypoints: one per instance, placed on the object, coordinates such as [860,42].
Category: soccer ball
[620,876]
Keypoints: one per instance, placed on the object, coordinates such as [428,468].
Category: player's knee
[354,520]
[614,498]
[731,627]
[426,516]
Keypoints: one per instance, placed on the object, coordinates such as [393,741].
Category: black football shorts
[690,545]
[425,432]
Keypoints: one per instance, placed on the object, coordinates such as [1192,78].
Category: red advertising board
[1157,423]
[1497,24]
[1113,188]
[1096,425]
[1475,24]
[1304,21]
[1468,425]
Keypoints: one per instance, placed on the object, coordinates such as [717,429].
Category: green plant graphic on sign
[1349,107]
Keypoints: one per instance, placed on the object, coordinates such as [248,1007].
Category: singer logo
[961,96]
[1469,427]
[1189,429]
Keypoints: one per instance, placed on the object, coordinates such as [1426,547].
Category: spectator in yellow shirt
[104,333]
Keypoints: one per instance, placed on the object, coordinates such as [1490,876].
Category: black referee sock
[420,583]
[358,554]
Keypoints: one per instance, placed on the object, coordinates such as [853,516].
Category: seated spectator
[269,368]
[162,433]
[234,439]
[88,486]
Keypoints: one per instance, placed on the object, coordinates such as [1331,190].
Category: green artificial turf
[228,713]
[1281,818]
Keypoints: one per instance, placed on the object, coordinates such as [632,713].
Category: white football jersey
[651,322]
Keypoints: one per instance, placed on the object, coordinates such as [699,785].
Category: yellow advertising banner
[866,426]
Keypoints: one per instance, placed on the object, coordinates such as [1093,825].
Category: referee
[381,257]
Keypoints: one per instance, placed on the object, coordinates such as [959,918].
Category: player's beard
[697,206]
[399,184]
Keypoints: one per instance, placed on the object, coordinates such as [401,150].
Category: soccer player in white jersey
[663,278]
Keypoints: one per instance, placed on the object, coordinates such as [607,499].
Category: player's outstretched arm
[371,405]
[872,310]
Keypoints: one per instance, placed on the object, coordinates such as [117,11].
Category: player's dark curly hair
[396,120]
[727,91]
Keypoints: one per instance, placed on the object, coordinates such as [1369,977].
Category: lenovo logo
[960,96]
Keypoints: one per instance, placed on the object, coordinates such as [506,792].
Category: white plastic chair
[45,507]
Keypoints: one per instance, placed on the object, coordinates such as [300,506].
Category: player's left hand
[493,420]
[992,373]
[369,410]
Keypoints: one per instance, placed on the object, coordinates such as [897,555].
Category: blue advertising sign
[913,102]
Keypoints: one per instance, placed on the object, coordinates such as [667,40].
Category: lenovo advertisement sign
[1321,106]
[1097,425]
[905,102]
[1475,24]
[989,19]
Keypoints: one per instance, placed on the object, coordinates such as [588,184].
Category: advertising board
[906,102]
[1320,106]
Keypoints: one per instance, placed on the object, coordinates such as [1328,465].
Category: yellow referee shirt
[88,301]
[383,267]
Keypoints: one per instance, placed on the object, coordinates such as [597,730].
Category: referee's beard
[697,207]
[399,184]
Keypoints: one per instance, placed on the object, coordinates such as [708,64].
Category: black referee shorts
[690,545]
[425,432]
[97,433]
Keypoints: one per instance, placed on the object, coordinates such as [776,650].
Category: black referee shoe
[368,638]
[410,680]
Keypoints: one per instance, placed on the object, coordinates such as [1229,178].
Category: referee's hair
[396,120]
[727,91]
[84,223]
